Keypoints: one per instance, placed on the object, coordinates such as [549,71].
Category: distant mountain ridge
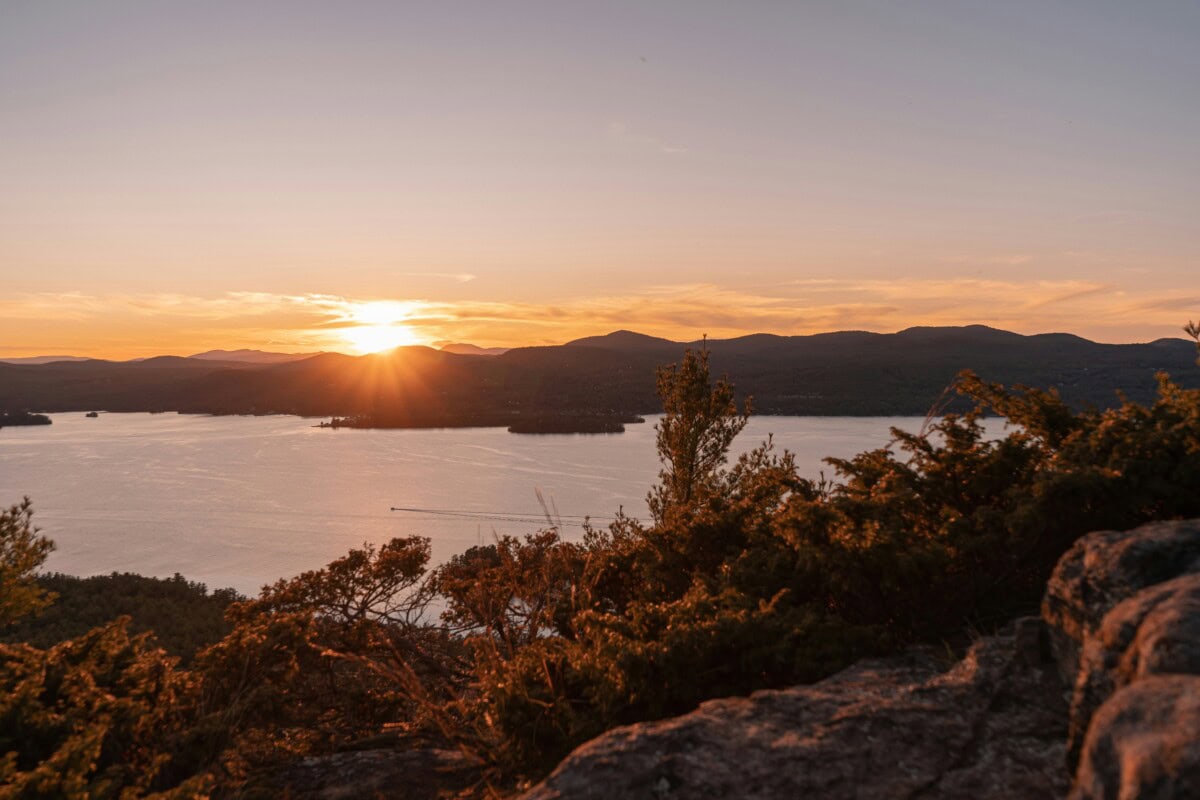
[841,373]
[252,356]
[462,348]
[241,356]
[626,340]
[41,359]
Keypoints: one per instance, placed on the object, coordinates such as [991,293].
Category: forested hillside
[850,373]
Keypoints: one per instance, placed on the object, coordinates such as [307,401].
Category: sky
[296,176]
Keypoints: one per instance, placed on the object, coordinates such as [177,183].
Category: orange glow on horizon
[127,325]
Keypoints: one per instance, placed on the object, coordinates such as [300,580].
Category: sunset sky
[177,177]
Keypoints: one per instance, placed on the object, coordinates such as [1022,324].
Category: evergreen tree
[700,421]
[22,551]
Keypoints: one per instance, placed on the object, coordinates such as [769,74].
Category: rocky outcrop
[1105,568]
[1108,681]
[1155,632]
[1124,615]
[1144,743]
[993,726]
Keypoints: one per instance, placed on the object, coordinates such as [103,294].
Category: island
[548,422]
[12,418]
[572,423]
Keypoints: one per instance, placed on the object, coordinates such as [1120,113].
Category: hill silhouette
[251,356]
[843,373]
[464,348]
[40,359]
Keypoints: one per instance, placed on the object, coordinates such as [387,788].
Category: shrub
[93,717]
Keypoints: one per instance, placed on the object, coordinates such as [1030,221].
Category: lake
[241,501]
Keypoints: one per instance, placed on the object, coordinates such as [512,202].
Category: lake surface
[242,501]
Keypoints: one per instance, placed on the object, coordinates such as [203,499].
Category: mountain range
[252,356]
[261,356]
[845,373]
[41,359]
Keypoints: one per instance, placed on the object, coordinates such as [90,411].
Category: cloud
[688,311]
[78,306]
[60,306]
[124,325]
[1067,292]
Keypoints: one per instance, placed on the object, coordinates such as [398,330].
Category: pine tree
[22,551]
[700,422]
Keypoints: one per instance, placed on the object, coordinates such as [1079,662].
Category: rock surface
[1144,743]
[992,726]
[1155,632]
[1124,615]
[1104,568]
[369,774]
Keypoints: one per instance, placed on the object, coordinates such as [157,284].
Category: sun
[368,327]
[373,338]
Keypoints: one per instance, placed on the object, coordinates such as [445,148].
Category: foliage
[311,664]
[302,669]
[965,531]
[699,424]
[183,616]
[368,585]
[94,717]
[513,592]
[22,551]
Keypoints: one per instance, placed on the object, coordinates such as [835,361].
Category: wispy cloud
[141,324]
[1098,309]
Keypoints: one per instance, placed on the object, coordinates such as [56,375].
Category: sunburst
[373,338]
[376,325]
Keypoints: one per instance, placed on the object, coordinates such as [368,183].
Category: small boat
[93,414]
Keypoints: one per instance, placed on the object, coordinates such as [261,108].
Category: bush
[94,717]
